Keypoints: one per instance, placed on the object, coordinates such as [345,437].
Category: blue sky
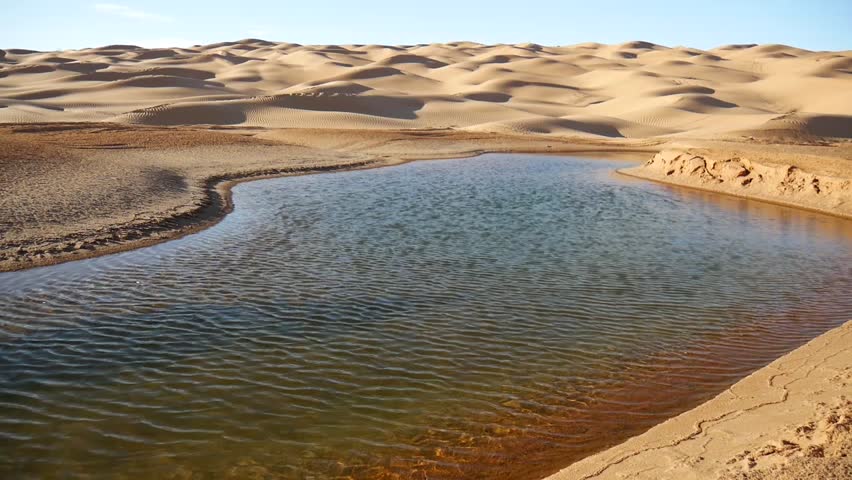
[54,24]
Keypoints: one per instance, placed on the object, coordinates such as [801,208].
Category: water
[496,317]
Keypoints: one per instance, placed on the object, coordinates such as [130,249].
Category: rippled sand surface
[487,318]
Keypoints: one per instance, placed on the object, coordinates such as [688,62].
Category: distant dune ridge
[635,89]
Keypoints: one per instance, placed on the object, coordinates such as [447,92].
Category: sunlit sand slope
[636,89]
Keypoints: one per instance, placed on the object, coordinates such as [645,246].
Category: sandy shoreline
[94,189]
[815,179]
[789,420]
[181,185]
[139,146]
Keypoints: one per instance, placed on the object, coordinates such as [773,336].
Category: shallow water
[496,317]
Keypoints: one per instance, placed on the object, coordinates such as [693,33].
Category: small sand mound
[600,128]
[256,42]
[179,72]
[54,59]
[778,48]
[186,114]
[334,88]
[113,75]
[340,50]
[243,48]
[162,81]
[375,105]
[778,55]
[392,48]
[839,126]
[552,126]
[83,67]
[588,57]
[404,59]
[532,47]
[624,55]
[276,110]
[796,125]
[120,47]
[218,45]
[26,70]
[494,97]
[220,57]
[102,76]
[589,46]
[490,59]
[639,45]
[677,63]
[39,94]
[736,46]
[339,64]
[152,54]
[511,84]
[708,57]
[682,89]
[833,67]
[21,51]
[284,46]
[685,51]
[370,72]
[700,103]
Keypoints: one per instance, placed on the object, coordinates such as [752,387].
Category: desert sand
[631,90]
[117,147]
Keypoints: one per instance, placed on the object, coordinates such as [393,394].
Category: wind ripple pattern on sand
[486,318]
[634,89]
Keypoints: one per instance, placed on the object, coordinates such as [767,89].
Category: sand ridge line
[630,90]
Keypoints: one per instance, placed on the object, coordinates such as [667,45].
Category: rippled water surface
[496,317]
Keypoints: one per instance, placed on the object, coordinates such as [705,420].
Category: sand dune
[634,89]
[122,181]
[800,124]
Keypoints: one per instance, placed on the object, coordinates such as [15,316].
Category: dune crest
[633,89]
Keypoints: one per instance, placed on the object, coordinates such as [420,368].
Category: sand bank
[814,178]
[73,191]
